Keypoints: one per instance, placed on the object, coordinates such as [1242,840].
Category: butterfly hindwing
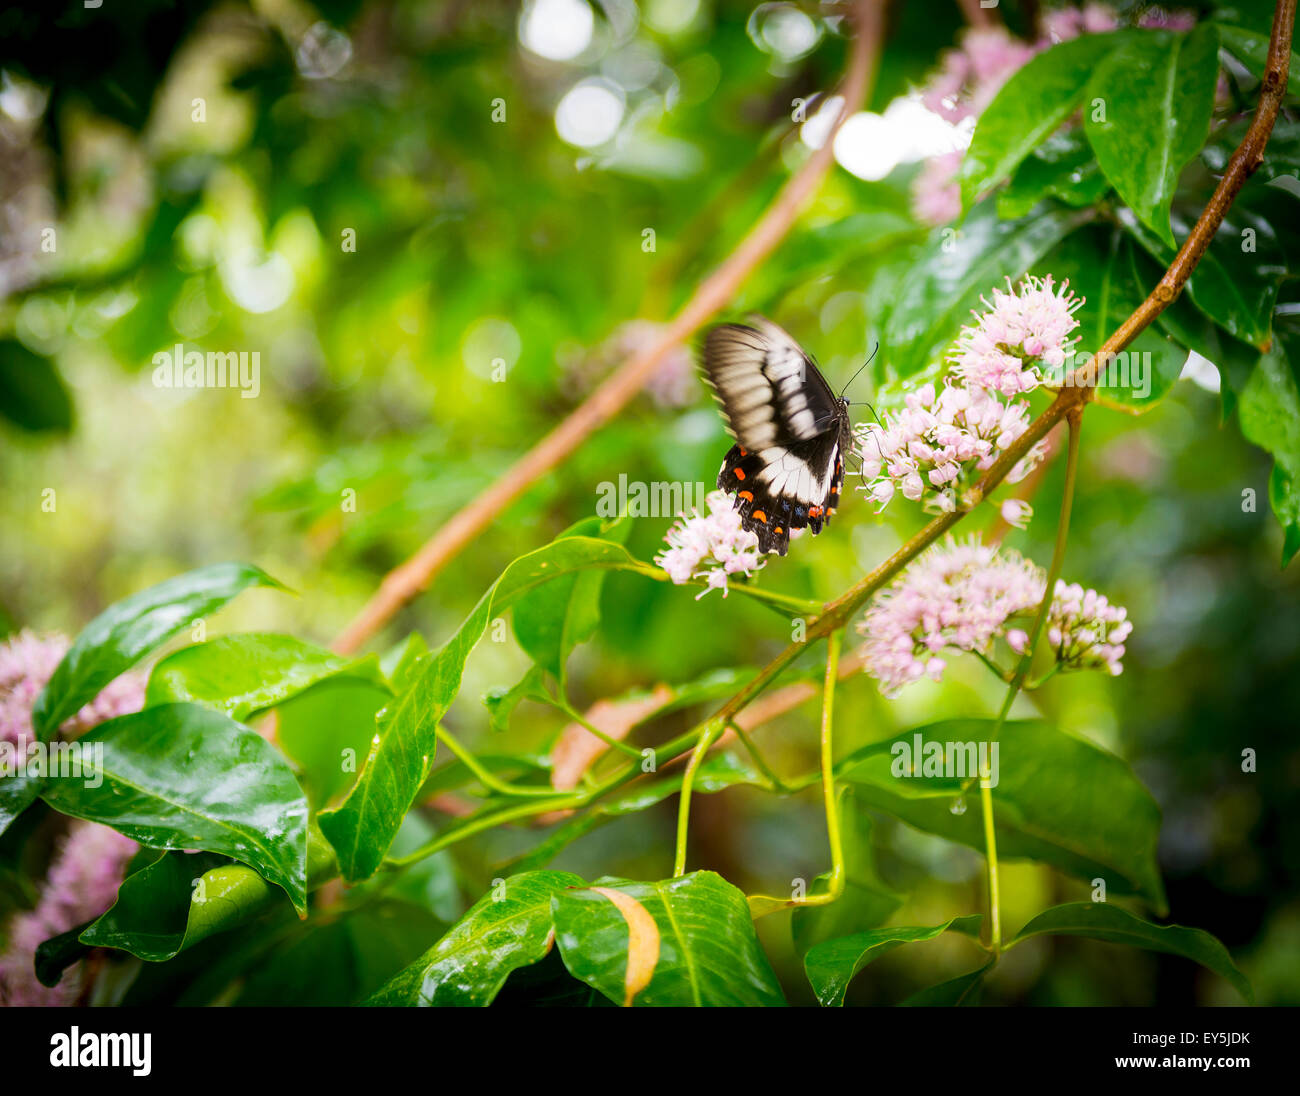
[787,468]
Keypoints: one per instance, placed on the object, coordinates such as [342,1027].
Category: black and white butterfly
[792,432]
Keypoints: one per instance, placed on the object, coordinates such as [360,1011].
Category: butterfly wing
[787,468]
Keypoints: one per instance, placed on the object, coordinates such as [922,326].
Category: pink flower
[936,194]
[938,442]
[964,595]
[970,76]
[711,546]
[82,884]
[1017,513]
[84,878]
[958,594]
[1085,630]
[1023,332]
[26,663]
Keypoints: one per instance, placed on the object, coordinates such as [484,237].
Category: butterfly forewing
[792,433]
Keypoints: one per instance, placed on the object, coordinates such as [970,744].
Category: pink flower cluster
[710,546]
[935,445]
[1022,330]
[970,76]
[83,880]
[26,663]
[964,595]
[82,883]
[960,595]
[1085,630]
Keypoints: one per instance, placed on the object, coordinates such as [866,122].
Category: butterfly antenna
[860,368]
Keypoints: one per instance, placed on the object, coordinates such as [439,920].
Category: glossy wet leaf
[1251,49]
[1097,262]
[402,748]
[248,672]
[1058,799]
[228,791]
[1269,412]
[958,266]
[1156,91]
[1029,108]
[551,620]
[180,899]
[832,964]
[509,927]
[1100,921]
[129,629]
[1062,167]
[707,953]
[327,732]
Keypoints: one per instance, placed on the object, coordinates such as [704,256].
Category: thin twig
[408,580]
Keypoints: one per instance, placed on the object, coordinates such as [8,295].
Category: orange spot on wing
[748,496]
[740,474]
[778,530]
[758,515]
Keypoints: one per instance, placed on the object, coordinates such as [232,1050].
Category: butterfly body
[792,432]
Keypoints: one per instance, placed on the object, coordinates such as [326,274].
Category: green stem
[777,785]
[836,886]
[1022,671]
[991,860]
[711,733]
[479,770]
[568,709]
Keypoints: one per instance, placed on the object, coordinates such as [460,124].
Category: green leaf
[1251,49]
[327,731]
[501,703]
[1235,287]
[551,620]
[832,964]
[128,630]
[936,295]
[1157,89]
[1062,167]
[180,899]
[867,902]
[249,672]
[340,962]
[1194,330]
[1058,799]
[705,950]
[1029,108]
[508,928]
[402,750]
[183,777]
[1097,262]
[1100,921]
[32,395]
[1269,411]
[398,661]
[959,991]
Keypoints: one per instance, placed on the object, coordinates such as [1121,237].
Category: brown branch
[406,581]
